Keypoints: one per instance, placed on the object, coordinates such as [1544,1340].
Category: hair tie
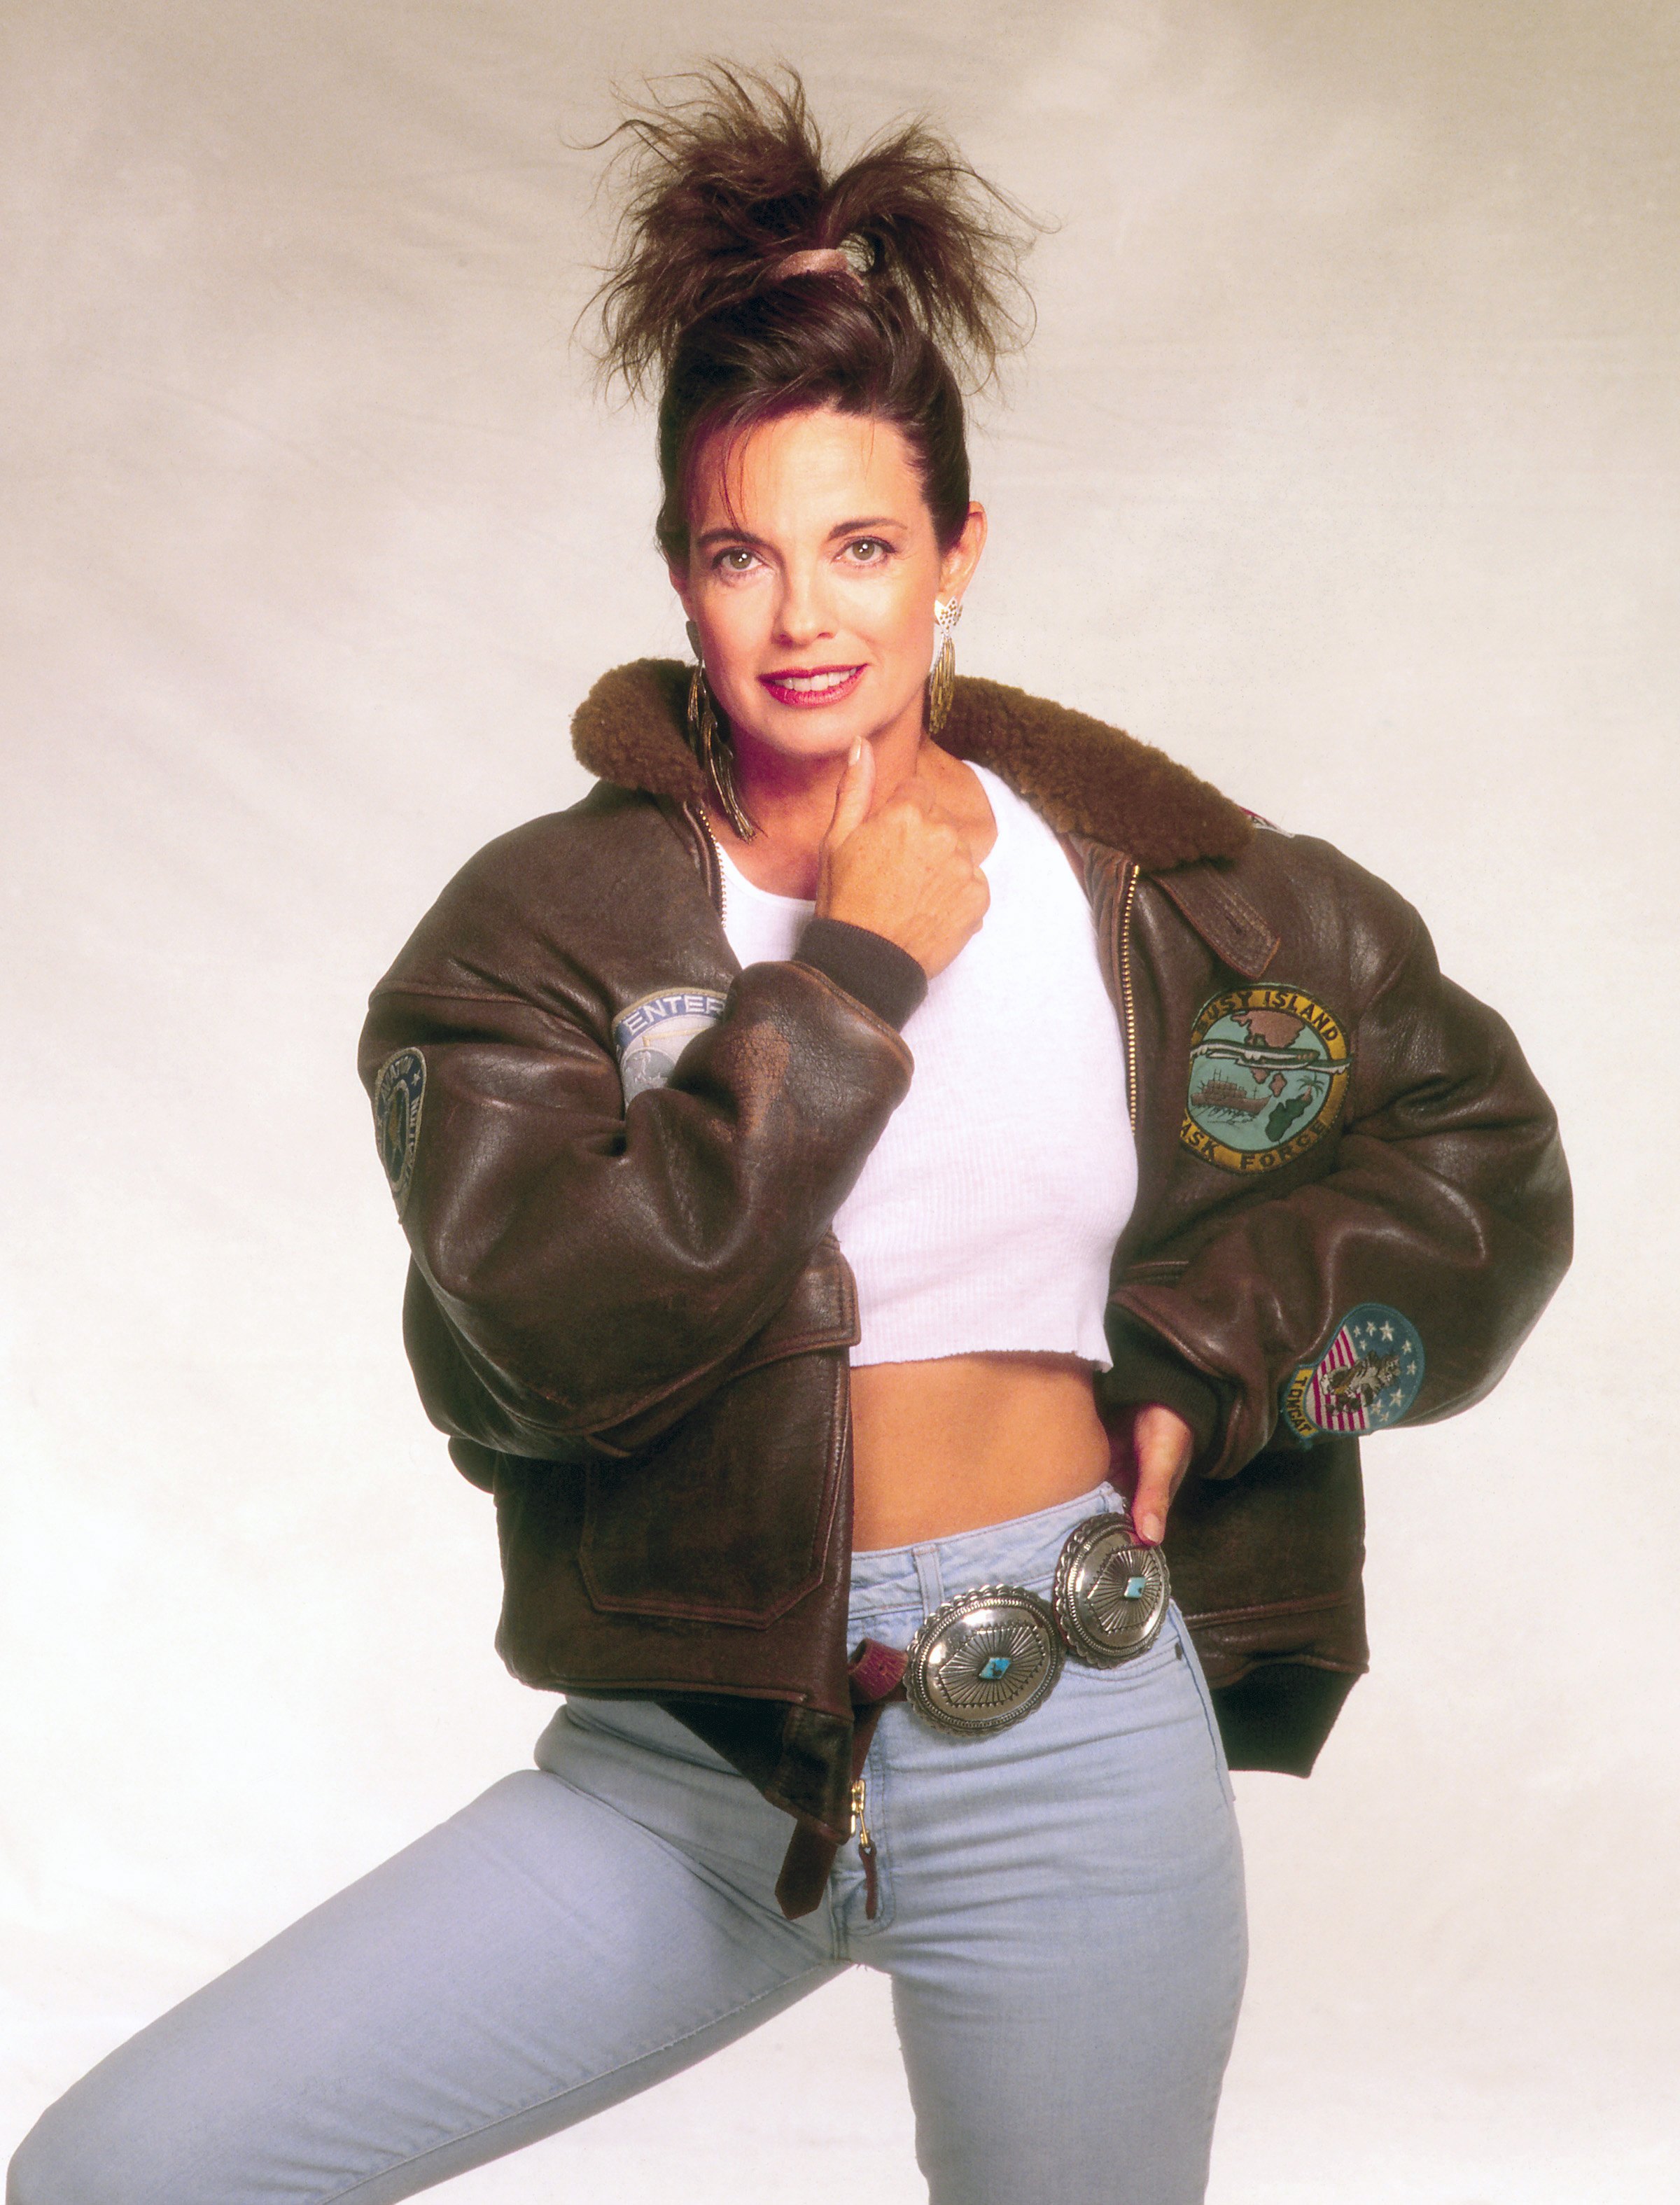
[818,260]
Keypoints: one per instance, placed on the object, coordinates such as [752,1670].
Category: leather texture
[633,1320]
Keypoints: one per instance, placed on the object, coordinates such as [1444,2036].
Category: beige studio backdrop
[1343,467]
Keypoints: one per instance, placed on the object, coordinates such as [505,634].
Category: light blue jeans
[1061,1913]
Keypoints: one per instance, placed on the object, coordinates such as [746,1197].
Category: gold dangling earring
[942,681]
[712,745]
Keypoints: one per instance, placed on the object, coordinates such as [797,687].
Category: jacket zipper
[714,882]
[1128,1008]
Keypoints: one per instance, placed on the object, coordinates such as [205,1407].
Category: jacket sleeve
[583,1271]
[1442,1224]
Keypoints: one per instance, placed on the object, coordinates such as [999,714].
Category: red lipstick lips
[807,688]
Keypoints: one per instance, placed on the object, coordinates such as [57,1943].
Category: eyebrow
[840,528]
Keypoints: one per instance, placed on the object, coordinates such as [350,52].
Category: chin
[826,732]
[805,731]
[813,735]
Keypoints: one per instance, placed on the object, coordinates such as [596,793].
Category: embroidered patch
[1268,1074]
[652,1035]
[397,1094]
[1367,1378]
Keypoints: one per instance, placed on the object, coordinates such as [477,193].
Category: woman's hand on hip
[904,871]
[1163,1444]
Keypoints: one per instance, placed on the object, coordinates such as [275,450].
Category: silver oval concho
[1110,1594]
[983,1660]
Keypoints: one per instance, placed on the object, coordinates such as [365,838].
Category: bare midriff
[969,1440]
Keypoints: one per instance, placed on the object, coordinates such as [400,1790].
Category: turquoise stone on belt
[1110,1594]
[983,1660]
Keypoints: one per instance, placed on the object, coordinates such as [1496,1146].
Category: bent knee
[87,2150]
[46,2168]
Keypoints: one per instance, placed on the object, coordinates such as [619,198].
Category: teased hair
[724,179]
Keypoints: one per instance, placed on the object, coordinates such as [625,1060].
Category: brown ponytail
[725,183]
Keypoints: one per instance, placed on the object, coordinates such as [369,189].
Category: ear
[956,569]
[678,579]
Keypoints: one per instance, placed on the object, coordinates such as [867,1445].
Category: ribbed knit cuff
[1147,1369]
[885,979]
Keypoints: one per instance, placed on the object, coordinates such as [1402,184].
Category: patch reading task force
[398,1094]
[1367,1378]
[652,1035]
[1268,1074]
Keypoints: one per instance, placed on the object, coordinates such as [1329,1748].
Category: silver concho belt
[990,1656]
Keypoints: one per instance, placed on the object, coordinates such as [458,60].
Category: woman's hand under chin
[907,871]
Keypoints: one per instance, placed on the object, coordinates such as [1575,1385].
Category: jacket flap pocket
[728,1517]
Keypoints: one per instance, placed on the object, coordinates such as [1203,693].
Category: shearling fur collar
[1083,777]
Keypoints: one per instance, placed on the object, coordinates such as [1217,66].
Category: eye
[868,551]
[734,559]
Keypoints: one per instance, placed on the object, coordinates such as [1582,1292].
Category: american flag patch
[1367,1378]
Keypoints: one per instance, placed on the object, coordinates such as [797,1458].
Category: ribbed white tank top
[985,1216]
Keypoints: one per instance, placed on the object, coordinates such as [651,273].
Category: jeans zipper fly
[866,1853]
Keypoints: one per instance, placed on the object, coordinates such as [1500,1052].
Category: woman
[885,1121]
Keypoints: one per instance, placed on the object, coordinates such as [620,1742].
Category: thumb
[853,796]
[1164,1444]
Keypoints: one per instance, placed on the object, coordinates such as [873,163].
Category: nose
[802,616]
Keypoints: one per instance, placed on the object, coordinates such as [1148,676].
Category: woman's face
[812,574]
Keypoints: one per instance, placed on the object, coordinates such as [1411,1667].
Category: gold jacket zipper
[713,871]
[1128,1008]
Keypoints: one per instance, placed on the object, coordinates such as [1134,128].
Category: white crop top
[985,1216]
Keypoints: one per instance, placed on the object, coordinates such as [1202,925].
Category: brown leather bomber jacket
[633,1320]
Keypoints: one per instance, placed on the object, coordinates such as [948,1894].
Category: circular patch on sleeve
[1366,1379]
[1267,1075]
[652,1035]
[397,1094]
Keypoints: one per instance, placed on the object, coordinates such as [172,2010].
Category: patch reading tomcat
[1367,1378]
[652,1035]
[1267,1075]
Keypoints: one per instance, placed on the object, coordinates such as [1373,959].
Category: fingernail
[1149,1529]
[856,751]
